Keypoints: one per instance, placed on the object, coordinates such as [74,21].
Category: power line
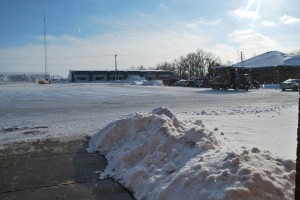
[79,57]
[35,57]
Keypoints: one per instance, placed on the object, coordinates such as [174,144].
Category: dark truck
[233,80]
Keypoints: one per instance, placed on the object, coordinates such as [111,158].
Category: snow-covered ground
[167,142]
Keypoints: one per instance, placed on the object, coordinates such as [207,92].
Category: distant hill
[270,59]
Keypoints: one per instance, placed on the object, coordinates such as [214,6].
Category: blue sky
[86,34]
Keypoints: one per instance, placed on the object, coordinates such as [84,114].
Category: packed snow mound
[159,156]
[137,80]
[270,59]
[237,110]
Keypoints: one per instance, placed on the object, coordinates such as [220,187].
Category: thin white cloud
[202,23]
[225,52]
[289,20]
[268,23]
[164,7]
[242,13]
[192,25]
[133,49]
[251,39]
[144,15]
[62,39]
[68,38]
[249,11]
[49,38]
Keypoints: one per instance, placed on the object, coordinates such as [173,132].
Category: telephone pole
[116,62]
[242,59]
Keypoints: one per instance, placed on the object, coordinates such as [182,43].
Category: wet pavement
[55,170]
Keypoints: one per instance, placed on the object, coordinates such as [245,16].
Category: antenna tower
[45,46]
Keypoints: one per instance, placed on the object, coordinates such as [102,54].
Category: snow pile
[154,83]
[137,80]
[8,78]
[238,110]
[159,156]
[3,80]
[270,59]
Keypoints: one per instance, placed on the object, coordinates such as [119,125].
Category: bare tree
[141,67]
[295,52]
[228,63]
[198,63]
[132,68]
[166,66]
[193,64]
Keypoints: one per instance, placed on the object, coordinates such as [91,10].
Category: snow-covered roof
[270,59]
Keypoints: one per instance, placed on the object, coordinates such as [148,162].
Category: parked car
[292,84]
[191,83]
[199,82]
[255,84]
[181,82]
[170,81]
[232,81]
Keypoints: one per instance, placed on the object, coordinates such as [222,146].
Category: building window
[81,78]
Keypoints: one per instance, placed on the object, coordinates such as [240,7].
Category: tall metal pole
[116,62]
[45,46]
[242,59]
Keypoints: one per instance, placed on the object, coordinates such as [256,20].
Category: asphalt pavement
[55,170]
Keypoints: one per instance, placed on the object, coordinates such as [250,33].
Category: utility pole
[116,62]
[242,59]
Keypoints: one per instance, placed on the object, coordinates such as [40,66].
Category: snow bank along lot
[167,142]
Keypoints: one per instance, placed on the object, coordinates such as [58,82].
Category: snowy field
[167,142]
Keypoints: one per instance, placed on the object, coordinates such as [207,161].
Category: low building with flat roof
[89,76]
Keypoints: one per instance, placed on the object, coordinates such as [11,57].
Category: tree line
[193,64]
